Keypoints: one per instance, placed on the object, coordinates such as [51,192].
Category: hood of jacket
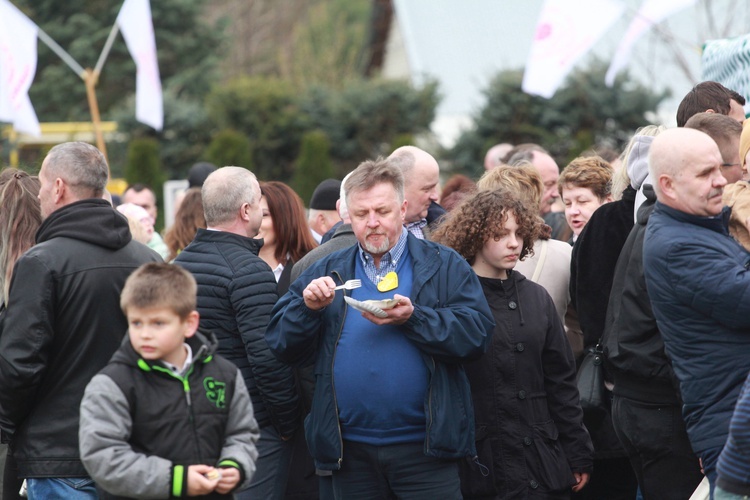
[92,220]
[638,160]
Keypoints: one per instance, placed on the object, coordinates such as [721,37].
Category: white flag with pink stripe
[566,31]
[18,40]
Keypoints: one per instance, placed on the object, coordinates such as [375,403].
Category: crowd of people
[391,338]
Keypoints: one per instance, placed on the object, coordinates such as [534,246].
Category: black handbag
[590,380]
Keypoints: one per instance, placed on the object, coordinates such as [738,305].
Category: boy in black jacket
[166,417]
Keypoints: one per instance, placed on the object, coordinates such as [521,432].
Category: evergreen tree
[583,113]
[313,164]
[230,147]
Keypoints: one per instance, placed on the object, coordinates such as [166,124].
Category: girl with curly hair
[529,428]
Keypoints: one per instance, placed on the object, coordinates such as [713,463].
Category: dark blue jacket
[698,281]
[451,323]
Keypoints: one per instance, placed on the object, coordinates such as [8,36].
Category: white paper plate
[376,307]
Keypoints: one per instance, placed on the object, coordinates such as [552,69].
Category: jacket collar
[719,223]
[252,244]
[425,257]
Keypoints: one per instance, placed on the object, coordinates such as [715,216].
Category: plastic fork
[350,285]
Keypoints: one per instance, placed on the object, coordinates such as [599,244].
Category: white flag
[135,23]
[566,31]
[651,13]
[17,68]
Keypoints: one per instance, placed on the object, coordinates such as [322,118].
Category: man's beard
[379,249]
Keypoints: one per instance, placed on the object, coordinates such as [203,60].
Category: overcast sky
[463,43]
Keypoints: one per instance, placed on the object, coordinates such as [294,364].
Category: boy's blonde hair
[160,285]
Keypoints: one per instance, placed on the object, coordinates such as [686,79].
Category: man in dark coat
[236,291]
[63,321]
[646,405]
[698,281]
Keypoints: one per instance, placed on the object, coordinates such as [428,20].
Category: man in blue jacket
[392,409]
[698,281]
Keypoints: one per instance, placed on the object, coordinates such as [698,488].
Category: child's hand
[197,482]
[229,479]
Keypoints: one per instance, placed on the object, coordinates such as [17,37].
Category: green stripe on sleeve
[229,463]
[178,476]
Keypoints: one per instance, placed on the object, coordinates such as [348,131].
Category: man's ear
[192,321]
[321,222]
[403,210]
[709,110]
[666,186]
[59,190]
[245,212]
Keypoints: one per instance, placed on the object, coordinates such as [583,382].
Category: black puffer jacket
[236,292]
[529,428]
[62,325]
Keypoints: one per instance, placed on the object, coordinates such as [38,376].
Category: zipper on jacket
[333,383]
[429,409]
[188,400]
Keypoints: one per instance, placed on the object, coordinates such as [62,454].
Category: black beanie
[325,195]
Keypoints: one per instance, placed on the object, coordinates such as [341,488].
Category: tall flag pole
[18,57]
[566,31]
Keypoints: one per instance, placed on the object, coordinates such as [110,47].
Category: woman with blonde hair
[20,218]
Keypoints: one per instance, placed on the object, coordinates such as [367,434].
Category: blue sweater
[379,375]
[449,326]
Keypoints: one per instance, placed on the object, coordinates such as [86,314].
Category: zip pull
[482,468]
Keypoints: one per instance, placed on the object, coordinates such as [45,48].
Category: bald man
[421,179]
[699,285]
[494,156]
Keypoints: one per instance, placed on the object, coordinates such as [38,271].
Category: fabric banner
[651,13]
[566,31]
[728,62]
[137,28]
[18,41]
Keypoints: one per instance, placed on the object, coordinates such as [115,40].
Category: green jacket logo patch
[215,391]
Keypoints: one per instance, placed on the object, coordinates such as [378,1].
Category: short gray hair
[81,166]
[343,207]
[224,192]
[370,173]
